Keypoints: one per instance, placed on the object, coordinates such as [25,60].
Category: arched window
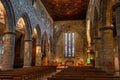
[69,44]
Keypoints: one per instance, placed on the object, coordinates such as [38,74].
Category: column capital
[106,28]
[116,5]
[10,33]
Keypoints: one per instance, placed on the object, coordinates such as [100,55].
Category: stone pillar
[9,48]
[27,53]
[116,8]
[92,53]
[38,55]
[107,48]
[47,55]
[49,51]
[97,52]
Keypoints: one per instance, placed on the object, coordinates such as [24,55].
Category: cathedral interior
[39,38]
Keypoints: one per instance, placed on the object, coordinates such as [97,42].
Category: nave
[31,73]
[44,39]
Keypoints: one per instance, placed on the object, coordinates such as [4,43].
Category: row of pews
[29,73]
[82,73]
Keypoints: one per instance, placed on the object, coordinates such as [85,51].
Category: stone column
[116,8]
[27,53]
[97,52]
[49,51]
[9,46]
[38,55]
[47,55]
[92,53]
[107,48]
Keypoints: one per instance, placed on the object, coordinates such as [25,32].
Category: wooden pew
[87,73]
[31,73]
[81,78]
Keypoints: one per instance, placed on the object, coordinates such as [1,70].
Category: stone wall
[77,27]
[37,14]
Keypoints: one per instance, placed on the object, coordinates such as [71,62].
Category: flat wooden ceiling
[66,9]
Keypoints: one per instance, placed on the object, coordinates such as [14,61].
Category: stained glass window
[73,44]
[69,44]
[66,44]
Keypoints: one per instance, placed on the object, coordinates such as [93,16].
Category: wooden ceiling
[66,9]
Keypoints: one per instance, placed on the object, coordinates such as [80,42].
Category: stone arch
[28,27]
[24,29]
[45,39]
[44,48]
[36,47]
[38,33]
[23,36]
[10,21]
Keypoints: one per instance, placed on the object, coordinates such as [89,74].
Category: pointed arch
[44,41]
[10,21]
[45,36]
[28,33]
[23,36]
[36,46]
[44,49]
[38,33]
